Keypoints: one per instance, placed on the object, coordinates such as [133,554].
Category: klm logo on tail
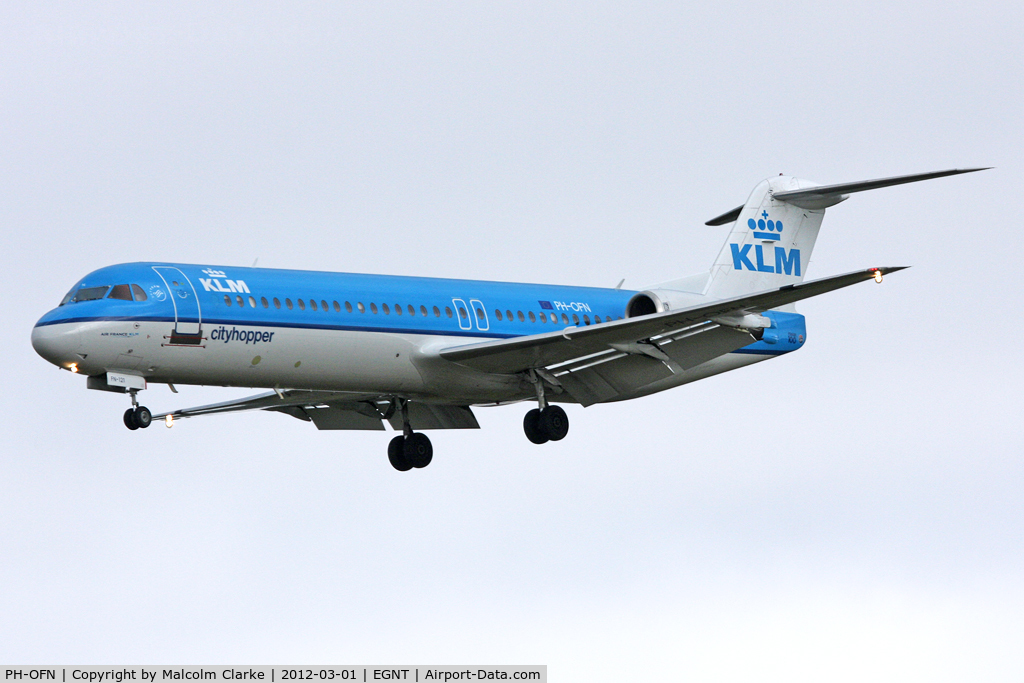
[786,261]
[761,225]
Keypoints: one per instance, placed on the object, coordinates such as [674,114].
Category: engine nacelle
[658,300]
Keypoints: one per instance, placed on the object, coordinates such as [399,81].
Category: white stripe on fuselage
[302,358]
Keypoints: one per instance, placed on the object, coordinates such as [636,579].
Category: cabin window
[398,309]
[312,304]
[565,319]
[597,319]
[508,314]
[373,308]
[337,307]
[348,306]
[323,305]
[533,318]
[387,311]
[412,309]
[522,318]
[497,314]
[240,301]
[252,301]
[479,313]
[437,312]
[362,308]
[586,320]
[263,300]
[448,310]
[575,319]
[139,292]
[288,303]
[463,314]
[423,311]
[227,300]
[301,303]
[277,302]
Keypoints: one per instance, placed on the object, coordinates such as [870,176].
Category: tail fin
[773,235]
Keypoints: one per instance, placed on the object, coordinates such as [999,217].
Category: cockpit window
[89,293]
[123,292]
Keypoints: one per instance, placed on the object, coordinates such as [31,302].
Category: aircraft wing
[658,344]
[340,410]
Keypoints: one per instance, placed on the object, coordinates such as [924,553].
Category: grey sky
[851,511]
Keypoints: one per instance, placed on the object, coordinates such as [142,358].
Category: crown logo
[220,273]
[765,229]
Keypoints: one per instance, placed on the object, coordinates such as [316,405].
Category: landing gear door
[188,319]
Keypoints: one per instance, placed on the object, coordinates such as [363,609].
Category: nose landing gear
[137,417]
[410,449]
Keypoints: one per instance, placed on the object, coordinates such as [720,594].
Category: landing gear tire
[142,417]
[396,454]
[418,450]
[532,427]
[554,423]
[129,420]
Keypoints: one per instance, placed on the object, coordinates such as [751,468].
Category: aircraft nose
[56,343]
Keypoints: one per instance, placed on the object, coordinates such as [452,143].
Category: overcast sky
[849,512]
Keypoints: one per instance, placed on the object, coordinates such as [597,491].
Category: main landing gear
[549,424]
[546,423]
[137,417]
[410,449]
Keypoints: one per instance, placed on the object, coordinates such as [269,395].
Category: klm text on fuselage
[786,261]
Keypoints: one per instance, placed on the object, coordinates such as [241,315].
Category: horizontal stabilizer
[824,196]
[727,217]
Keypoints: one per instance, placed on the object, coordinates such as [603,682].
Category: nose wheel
[137,417]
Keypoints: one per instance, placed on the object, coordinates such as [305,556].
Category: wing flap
[436,416]
[339,410]
[576,344]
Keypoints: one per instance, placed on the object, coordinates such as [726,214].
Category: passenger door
[188,319]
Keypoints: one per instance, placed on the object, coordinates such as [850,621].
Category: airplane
[351,351]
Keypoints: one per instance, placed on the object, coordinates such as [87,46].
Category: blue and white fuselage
[370,334]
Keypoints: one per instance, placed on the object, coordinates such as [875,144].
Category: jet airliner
[350,351]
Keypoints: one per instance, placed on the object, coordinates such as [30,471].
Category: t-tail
[773,234]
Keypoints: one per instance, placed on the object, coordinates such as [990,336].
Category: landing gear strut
[410,449]
[546,423]
[137,417]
